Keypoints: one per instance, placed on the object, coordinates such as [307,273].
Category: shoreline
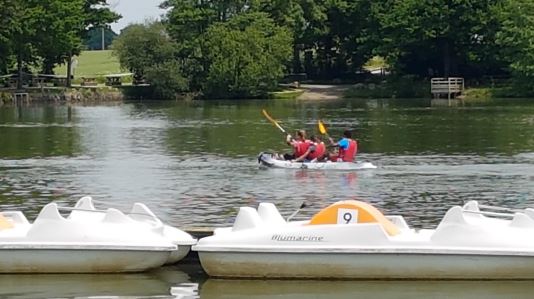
[306,92]
[322,92]
[61,95]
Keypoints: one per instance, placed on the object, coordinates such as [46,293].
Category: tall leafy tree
[246,56]
[188,20]
[148,51]
[58,31]
[7,22]
[438,35]
[515,38]
[50,31]
[140,46]
[23,33]
[305,18]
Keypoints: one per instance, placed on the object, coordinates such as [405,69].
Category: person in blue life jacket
[347,148]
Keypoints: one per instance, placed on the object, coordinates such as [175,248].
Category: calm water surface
[195,163]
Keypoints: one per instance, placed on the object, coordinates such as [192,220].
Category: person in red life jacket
[347,148]
[300,145]
[316,151]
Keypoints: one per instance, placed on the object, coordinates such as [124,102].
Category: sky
[134,11]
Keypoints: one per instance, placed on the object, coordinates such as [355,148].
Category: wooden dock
[20,97]
[452,87]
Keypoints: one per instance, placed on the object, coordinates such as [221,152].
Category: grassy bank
[93,63]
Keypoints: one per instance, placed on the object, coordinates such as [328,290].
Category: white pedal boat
[268,160]
[353,240]
[88,241]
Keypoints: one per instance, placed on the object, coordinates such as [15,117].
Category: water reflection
[256,289]
[172,282]
[157,283]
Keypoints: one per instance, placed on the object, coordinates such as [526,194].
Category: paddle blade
[267,116]
[322,128]
[274,122]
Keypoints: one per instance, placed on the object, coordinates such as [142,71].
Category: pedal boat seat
[5,223]
[353,211]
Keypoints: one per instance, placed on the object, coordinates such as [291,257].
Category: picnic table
[115,79]
[89,81]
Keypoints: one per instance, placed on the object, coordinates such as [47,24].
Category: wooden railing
[447,86]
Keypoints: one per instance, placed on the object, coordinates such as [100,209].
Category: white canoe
[352,240]
[268,160]
[110,242]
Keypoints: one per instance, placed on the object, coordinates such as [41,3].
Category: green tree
[48,32]
[245,56]
[57,33]
[347,42]
[140,46]
[148,51]
[7,22]
[515,39]
[166,79]
[442,35]
[187,20]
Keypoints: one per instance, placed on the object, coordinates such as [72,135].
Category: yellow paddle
[322,128]
[274,122]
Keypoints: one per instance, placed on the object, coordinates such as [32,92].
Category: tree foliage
[516,37]
[435,36]
[143,45]
[245,56]
[45,33]
[148,51]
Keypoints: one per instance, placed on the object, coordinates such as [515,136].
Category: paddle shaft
[274,122]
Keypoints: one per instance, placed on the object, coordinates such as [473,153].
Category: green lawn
[93,63]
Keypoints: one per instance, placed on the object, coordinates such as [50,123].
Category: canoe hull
[267,160]
[366,265]
[79,261]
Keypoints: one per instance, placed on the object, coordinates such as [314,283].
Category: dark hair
[315,138]
[347,133]
[301,133]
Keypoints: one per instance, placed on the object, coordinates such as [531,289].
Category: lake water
[195,163]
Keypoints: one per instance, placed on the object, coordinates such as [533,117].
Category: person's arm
[301,158]
[332,143]
[289,139]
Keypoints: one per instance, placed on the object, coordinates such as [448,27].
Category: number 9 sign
[346,216]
